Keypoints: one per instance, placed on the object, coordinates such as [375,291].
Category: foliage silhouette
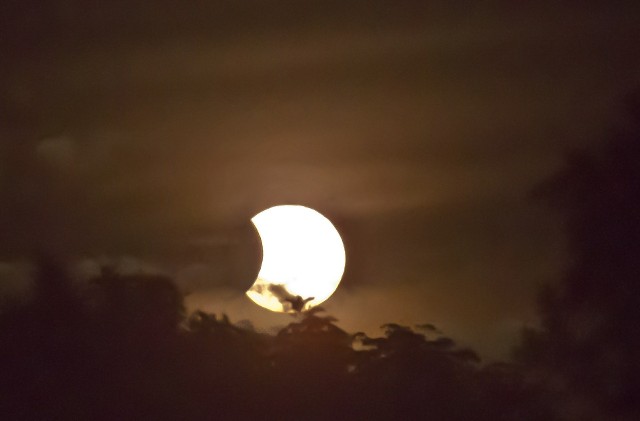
[121,347]
[588,347]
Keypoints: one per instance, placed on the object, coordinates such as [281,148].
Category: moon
[302,255]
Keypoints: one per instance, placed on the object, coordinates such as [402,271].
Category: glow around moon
[303,255]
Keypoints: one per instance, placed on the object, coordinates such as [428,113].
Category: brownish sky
[150,132]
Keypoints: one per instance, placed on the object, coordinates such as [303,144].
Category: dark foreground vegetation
[122,347]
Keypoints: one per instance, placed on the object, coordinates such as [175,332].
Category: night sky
[147,134]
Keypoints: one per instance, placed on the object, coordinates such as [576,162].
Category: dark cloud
[157,132]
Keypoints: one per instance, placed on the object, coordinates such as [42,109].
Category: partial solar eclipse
[302,256]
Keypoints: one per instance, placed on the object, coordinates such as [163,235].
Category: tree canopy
[122,347]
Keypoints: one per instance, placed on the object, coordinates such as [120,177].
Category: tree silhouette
[120,347]
[589,345]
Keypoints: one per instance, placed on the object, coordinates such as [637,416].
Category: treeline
[122,347]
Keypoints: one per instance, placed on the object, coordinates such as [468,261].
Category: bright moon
[301,251]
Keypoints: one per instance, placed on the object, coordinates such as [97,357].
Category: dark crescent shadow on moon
[245,256]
